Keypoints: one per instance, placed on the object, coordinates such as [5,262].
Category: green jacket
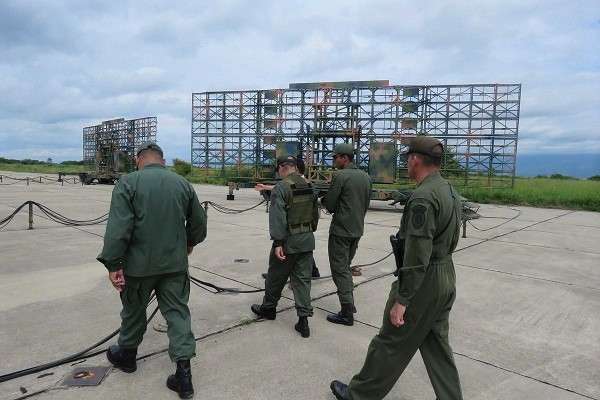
[278,227]
[154,215]
[428,210]
[348,199]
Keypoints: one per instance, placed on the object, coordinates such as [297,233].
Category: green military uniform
[293,217]
[154,215]
[348,199]
[426,286]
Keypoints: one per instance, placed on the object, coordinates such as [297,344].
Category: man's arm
[368,195]
[119,227]
[277,216]
[333,194]
[195,225]
[420,229]
[315,213]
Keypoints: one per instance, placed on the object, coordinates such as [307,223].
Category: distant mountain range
[575,165]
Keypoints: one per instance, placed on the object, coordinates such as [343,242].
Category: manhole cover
[86,376]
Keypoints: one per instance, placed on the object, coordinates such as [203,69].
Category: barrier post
[30,216]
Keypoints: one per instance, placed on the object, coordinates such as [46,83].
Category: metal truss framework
[101,142]
[478,125]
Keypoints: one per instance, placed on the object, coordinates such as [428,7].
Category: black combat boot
[315,271]
[302,327]
[181,381]
[344,317]
[124,359]
[268,313]
[339,390]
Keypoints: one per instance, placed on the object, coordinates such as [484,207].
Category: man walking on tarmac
[293,217]
[155,221]
[348,200]
[419,304]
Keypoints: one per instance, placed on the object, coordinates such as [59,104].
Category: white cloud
[66,65]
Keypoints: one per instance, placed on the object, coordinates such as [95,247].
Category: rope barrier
[226,210]
[54,216]
[61,219]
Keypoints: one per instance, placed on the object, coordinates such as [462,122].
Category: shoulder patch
[418,216]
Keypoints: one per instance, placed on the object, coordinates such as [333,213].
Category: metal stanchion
[30,216]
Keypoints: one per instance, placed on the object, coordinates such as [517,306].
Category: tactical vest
[300,208]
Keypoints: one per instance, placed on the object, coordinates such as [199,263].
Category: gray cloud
[66,65]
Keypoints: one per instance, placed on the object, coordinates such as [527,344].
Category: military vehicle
[109,148]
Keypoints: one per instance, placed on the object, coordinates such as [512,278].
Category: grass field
[42,168]
[570,194]
[573,194]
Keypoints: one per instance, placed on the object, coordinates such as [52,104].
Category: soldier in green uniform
[293,217]
[416,314]
[155,221]
[348,200]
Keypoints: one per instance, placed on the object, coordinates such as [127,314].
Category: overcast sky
[69,64]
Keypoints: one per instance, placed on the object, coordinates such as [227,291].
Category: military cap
[425,145]
[149,146]
[343,149]
[284,158]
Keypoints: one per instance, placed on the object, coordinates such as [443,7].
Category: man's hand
[189,250]
[279,253]
[261,186]
[117,279]
[397,315]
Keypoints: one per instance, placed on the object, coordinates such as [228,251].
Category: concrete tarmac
[525,324]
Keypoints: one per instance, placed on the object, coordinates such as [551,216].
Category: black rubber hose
[75,357]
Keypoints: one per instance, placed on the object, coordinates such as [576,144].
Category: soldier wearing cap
[348,200]
[155,220]
[293,217]
[420,300]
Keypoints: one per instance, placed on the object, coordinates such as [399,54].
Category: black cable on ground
[219,289]
[358,266]
[519,212]
[75,357]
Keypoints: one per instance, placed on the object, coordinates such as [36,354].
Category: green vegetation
[181,167]
[214,176]
[40,167]
[554,191]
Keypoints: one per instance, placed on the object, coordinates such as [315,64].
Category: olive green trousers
[172,293]
[298,268]
[425,329]
[341,252]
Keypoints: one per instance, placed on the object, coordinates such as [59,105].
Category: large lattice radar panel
[237,133]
